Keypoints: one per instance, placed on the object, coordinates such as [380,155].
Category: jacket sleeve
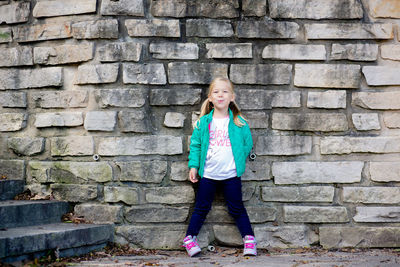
[248,140]
[195,148]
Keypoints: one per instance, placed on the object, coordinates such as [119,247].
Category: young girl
[220,144]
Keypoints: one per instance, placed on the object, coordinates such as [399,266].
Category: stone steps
[10,188]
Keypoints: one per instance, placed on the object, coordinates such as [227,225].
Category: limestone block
[261,214]
[134,121]
[15,12]
[219,215]
[256,119]
[13,169]
[371,195]
[227,235]
[384,8]
[62,99]
[253,99]
[294,52]
[381,75]
[169,8]
[170,195]
[11,122]
[327,75]
[377,100]
[174,119]
[384,171]
[100,121]
[392,120]
[147,73]
[257,170]
[254,7]
[326,99]
[122,7]
[390,51]
[174,50]
[349,31]
[13,100]
[128,51]
[74,192]
[96,74]
[128,195]
[157,214]
[261,73]
[30,78]
[142,171]
[323,122]
[180,97]
[195,73]
[16,56]
[208,28]
[311,214]
[283,145]
[355,52]
[282,236]
[153,27]
[140,145]
[26,146]
[267,29]
[248,190]
[72,146]
[63,54]
[314,9]
[98,213]
[179,171]
[317,172]
[55,8]
[347,145]
[5,35]
[96,29]
[366,121]
[298,194]
[377,214]
[229,50]
[42,32]
[59,119]
[126,98]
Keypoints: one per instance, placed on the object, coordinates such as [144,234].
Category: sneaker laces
[190,244]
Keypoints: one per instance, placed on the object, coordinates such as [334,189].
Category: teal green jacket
[240,138]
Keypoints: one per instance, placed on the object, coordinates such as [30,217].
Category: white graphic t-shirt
[220,164]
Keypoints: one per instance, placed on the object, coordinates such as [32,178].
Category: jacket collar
[210,115]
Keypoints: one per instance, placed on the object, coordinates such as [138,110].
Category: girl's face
[221,95]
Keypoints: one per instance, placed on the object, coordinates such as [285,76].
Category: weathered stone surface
[128,195]
[174,119]
[248,190]
[98,213]
[67,172]
[5,35]
[327,99]
[142,171]
[294,52]
[170,195]
[257,170]
[134,121]
[26,146]
[356,52]
[181,97]
[283,145]
[126,98]
[208,28]
[179,171]
[229,50]
[261,214]
[317,172]
[55,8]
[95,74]
[16,56]
[359,237]
[30,78]
[327,75]
[349,31]
[390,52]
[371,195]
[195,73]
[96,29]
[377,214]
[261,73]
[13,169]
[347,145]
[100,121]
[11,122]
[249,99]
[15,12]
[313,9]
[128,51]
[257,119]
[315,214]
[384,171]
[384,8]
[144,73]
[392,119]
[158,214]
[42,32]
[298,194]
[62,99]
[366,121]
[122,7]
[174,50]
[227,235]
[254,7]
[219,214]
[323,122]
[153,27]
[267,29]
[377,100]
[140,145]
[59,119]
[63,54]
[72,146]
[73,192]
[381,75]
[169,8]
[13,100]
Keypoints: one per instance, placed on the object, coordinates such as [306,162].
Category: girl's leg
[204,199]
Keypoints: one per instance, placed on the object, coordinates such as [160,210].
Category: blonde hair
[207,106]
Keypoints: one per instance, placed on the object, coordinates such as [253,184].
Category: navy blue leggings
[232,189]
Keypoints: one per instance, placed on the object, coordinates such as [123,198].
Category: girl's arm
[195,149]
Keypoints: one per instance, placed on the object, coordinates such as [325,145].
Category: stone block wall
[97,99]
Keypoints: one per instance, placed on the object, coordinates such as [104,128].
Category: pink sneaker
[191,245]
[250,246]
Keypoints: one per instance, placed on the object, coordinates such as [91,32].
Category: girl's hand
[193,175]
